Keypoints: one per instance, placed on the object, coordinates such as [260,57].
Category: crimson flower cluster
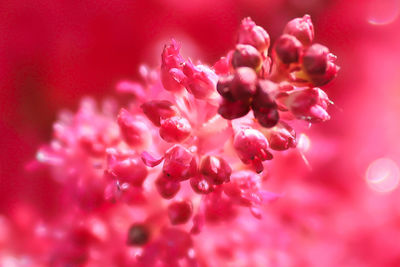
[140,181]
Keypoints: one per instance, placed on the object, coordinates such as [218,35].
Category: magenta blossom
[188,152]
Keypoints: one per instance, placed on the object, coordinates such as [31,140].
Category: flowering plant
[153,182]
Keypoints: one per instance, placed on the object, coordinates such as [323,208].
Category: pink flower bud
[171,66]
[127,169]
[179,164]
[233,110]
[201,185]
[135,132]
[179,212]
[302,29]
[264,106]
[138,235]
[216,169]
[246,56]
[309,104]
[252,148]
[319,64]
[250,33]
[175,129]
[288,49]
[158,110]
[200,81]
[282,137]
[167,188]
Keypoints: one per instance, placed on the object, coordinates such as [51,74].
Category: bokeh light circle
[383,175]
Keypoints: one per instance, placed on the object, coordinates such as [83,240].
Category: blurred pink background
[52,53]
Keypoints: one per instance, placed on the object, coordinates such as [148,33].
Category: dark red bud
[224,87]
[244,82]
[315,60]
[288,49]
[138,235]
[233,110]
[264,106]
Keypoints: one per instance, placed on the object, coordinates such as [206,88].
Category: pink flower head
[252,148]
[302,29]
[309,104]
[125,206]
[251,34]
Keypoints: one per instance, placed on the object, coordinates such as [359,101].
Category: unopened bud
[179,164]
[158,110]
[288,49]
[175,129]
[302,29]
[233,110]
[243,85]
[282,137]
[246,56]
[250,33]
[264,106]
[200,81]
[171,67]
[179,212]
[319,64]
[167,188]
[252,148]
[309,104]
[216,169]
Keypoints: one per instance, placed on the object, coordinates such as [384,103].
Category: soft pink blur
[53,53]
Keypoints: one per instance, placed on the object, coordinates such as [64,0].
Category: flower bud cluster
[187,151]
